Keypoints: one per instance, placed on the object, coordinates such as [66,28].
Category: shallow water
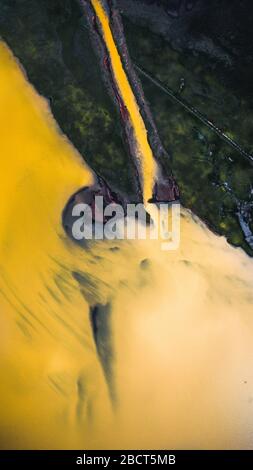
[181,321]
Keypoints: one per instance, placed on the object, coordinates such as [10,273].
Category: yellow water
[143,150]
[45,335]
[182,322]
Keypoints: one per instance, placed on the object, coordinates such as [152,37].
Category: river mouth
[201,163]
[179,322]
[119,344]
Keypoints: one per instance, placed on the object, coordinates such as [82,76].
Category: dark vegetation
[50,39]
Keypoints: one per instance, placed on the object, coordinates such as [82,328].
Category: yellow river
[182,321]
[144,153]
